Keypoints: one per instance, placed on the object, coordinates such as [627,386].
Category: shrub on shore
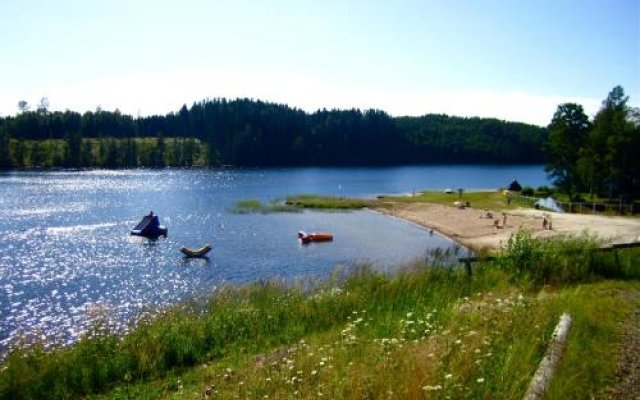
[562,260]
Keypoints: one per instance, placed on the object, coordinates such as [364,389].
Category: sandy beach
[474,229]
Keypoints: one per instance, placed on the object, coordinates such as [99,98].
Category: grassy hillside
[427,331]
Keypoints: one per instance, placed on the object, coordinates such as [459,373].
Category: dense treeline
[77,152]
[600,156]
[254,133]
[440,138]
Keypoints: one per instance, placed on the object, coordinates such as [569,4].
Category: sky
[515,60]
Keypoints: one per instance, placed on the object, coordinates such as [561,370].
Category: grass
[329,202]
[486,200]
[306,201]
[422,333]
[490,200]
[256,206]
[597,310]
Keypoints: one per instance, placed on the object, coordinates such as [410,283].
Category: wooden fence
[467,261]
[619,208]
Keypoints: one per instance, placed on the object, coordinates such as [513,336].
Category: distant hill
[248,132]
[442,138]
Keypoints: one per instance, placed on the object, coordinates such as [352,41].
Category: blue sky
[509,59]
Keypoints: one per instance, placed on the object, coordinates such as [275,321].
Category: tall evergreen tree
[38,156]
[609,142]
[159,152]
[131,158]
[5,150]
[567,135]
[20,154]
[86,154]
[74,149]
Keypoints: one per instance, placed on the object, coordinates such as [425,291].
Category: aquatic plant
[256,206]
[329,202]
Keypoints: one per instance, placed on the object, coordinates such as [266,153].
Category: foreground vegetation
[427,331]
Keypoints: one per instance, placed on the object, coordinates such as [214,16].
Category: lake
[66,255]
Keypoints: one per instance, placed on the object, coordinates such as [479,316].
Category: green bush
[544,191]
[528,191]
[559,260]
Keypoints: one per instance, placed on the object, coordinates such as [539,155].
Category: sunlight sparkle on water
[67,260]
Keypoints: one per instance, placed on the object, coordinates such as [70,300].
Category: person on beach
[504,219]
[544,222]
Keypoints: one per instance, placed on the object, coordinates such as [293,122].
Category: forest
[599,156]
[246,132]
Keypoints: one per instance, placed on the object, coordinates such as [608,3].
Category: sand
[472,228]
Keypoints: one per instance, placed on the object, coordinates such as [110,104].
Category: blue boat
[150,227]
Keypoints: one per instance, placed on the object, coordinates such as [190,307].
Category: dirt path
[473,228]
[627,384]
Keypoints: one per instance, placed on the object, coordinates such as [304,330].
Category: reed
[248,206]
[330,202]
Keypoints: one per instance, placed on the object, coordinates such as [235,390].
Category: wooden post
[620,205]
[545,370]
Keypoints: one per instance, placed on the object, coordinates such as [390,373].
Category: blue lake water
[66,254]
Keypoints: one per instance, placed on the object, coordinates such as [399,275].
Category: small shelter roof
[515,186]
